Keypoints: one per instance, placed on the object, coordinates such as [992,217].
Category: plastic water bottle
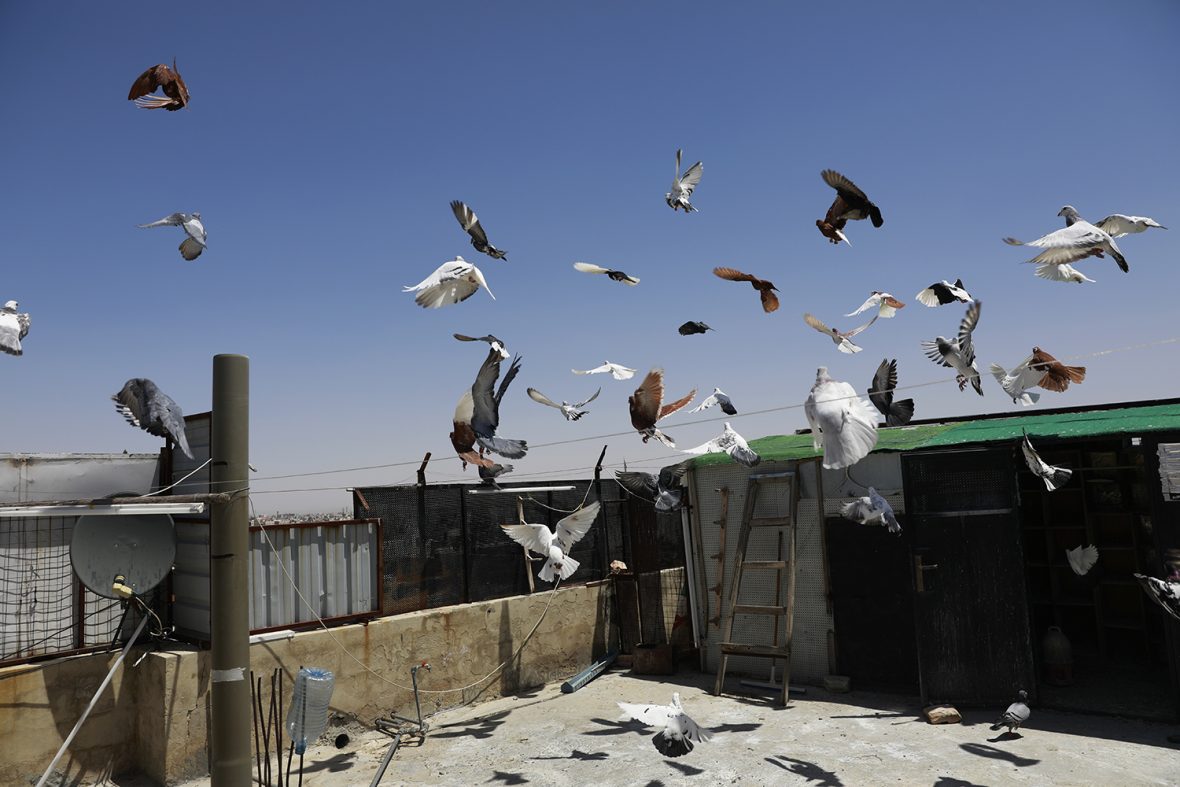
[309,708]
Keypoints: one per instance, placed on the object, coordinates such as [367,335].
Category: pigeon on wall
[765,288]
[662,489]
[192,246]
[683,186]
[14,326]
[470,224]
[555,545]
[691,327]
[485,416]
[146,406]
[168,80]
[1062,272]
[1016,715]
[850,204]
[729,442]
[943,292]
[677,731]
[841,423]
[959,353]
[617,371]
[1165,592]
[1082,558]
[647,407]
[885,304]
[463,436]
[452,282]
[493,342]
[1057,376]
[570,411]
[1017,381]
[872,509]
[897,413]
[613,275]
[1116,225]
[842,339]
[1075,242]
[1053,477]
[718,397]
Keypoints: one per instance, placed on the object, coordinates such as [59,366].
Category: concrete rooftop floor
[822,739]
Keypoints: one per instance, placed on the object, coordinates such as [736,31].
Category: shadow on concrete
[476,728]
[334,764]
[980,750]
[1006,735]
[687,770]
[951,781]
[808,770]
[507,778]
[616,727]
[577,755]
[727,727]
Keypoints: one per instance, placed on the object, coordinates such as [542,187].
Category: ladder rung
[784,475]
[758,609]
[770,521]
[776,564]
[765,651]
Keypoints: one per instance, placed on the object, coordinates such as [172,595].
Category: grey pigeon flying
[146,406]
[663,490]
[677,732]
[959,353]
[192,246]
[489,474]
[1082,558]
[1017,381]
[586,267]
[14,326]
[570,411]
[719,398]
[683,186]
[896,413]
[842,339]
[1053,477]
[872,510]
[485,416]
[691,327]
[452,282]
[1075,242]
[1165,592]
[942,292]
[1016,715]
[470,224]
[493,342]
[555,545]
[729,442]
[841,423]
[1116,225]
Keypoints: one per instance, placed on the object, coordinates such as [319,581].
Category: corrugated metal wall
[190,577]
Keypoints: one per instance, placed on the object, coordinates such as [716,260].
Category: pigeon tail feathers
[671,747]
[512,449]
[900,413]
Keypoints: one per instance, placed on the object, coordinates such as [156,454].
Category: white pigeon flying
[729,442]
[959,353]
[452,282]
[1116,225]
[1075,242]
[683,186]
[943,292]
[617,371]
[1053,477]
[1061,272]
[1082,558]
[678,732]
[718,397]
[842,423]
[192,246]
[570,411]
[873,509]
[1017,382]
[13,327]
[1165,592]
[556,544]
[144,405]
[885,304]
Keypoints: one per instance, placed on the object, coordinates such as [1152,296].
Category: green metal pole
[229,733]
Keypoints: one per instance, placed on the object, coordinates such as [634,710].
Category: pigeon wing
[639,484]
[668,409]
[732,274]
[469,222]
[572,528]
[859,328]
[535,538]
[847,190]
[884,381]
[645,402]
[934,353]
[1117,225]
[592,397]
[873,302]
[817,323]
[671,475]
[1082,559]
[966,328]
[691,177]
[537,396]
[513,370]
[485,415]
[859,510]
[649,715]
[586,267]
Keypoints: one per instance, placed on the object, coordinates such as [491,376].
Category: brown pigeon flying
[647,407]
[765,289]
[165,78]
[463,436]
[850,203]
[1058,376]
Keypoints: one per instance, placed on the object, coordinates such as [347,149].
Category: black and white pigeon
[1116,225]
[454,281]
[470,224]
[872,510]
[1053,477]
[959,353]
[683,186]
[14,326]
[1165,592]
[729,442]
[677,733]
[493,342]
[613,275]
[842,424]
[485,415]
[192,246]
[662,489]
[897,413]
[570,411]
[719,398]
[691,327]
[1079,240]
[943,292]
[146,406]
[555,545]
[1016,715]
[1017,381]
[1082,558]
[616,370]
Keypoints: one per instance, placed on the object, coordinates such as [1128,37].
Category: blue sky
[323,144]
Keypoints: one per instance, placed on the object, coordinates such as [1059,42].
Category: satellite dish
[117,556]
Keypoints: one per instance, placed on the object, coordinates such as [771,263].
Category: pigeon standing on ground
[1017,381]
[943,292]
[1057,376]
[570,411]
[729,442]
[192,246]
[691,327]
[1053,477]
[959,353]
[613,275]
[14,326]
[678,732]
[617,371]
[470,224]
[165,78]
[1082,558]
[146,406]
[647,407]
[1016,715]
[485,416]
[765,288]
[885,304]
[1075,242]
[683,186]
[555,545]
[850,203]
[872,510]
[842,339]
[452,282]
[841,423]
[493,342]
[1165,592]
[1116,225]
[896,413]
[663,489]
[718,397]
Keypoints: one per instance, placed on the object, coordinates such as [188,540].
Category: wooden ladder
[783,612]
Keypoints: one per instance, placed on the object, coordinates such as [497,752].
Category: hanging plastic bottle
[309,708]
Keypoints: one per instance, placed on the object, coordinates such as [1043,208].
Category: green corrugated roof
[1092,423]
